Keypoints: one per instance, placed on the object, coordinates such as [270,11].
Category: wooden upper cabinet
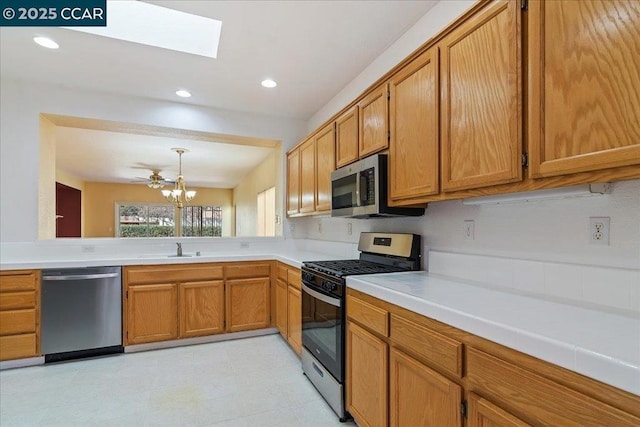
[481,99]
[483,413]
[413,119]
[325,164]
[373,122]
[584,87]
[307,176]
[347,137]
[293,182]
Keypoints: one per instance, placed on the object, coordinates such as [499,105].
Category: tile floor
[247,382]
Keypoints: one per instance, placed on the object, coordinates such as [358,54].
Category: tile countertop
[597,344]
[290,257]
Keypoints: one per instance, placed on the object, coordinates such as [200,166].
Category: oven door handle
[322,297]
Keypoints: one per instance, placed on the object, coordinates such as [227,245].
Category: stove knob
[326,285]
[307,277]
[334,286]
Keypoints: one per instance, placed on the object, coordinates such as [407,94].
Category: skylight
[144,23]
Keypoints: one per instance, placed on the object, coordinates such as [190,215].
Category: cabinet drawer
[13,300]
[244,269]
[18,346]
[18,282]
[442,351]
[172,274]
[374,318]
[544,401]
[17,321]
[294,278]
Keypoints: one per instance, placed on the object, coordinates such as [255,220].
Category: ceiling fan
[155,180]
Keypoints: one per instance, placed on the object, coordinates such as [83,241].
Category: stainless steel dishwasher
[81,312]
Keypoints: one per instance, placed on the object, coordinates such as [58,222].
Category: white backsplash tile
[528,276]
[563,280]
[606,287]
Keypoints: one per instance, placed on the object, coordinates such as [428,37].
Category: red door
[68,211]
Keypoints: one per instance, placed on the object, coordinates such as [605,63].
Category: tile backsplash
[603,287]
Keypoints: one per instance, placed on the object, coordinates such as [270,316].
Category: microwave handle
[358,189]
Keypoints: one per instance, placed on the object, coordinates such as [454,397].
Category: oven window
[322,333]
[343,193]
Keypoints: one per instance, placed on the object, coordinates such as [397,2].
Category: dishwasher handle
[82,276]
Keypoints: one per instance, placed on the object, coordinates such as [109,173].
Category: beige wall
[47,181]
[73,181]
[100,200]
[245,194]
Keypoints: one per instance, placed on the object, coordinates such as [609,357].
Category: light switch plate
[469,231]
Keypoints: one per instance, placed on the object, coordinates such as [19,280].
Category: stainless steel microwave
[359,190]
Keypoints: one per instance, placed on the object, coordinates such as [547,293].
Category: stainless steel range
[323,306]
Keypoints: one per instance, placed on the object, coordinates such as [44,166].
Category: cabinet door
[308,176]
[294,331]
[248,305]
[420,396]
[152,313]
[373,117]
[325,164]
[293,182]
[481,98]
[413,117]
[347,137]
[366,369]
[201,308]
[483,413]
[281,307]
[584,91]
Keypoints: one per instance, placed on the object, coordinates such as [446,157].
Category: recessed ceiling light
[183,93]
[46,42]
[269,83]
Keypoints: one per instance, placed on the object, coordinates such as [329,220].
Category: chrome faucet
[179,252]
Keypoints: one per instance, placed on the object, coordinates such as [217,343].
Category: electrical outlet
[319,227]
[349,229]
[469,230]
[599,230]
[244,245]
[292,227]
[87,249]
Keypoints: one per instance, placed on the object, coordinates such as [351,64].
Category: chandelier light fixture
[179,196]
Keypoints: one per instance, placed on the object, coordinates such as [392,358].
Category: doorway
[68,211]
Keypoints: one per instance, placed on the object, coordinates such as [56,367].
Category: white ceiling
[311,48]
[104,156]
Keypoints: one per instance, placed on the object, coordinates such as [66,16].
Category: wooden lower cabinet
[288,308]
[19,314]
[248,304]
[294,311]
[420,396]
[201,308]
[483,413]
[168,302]
[425,373]
[367,363]
[281,307]
[152,313]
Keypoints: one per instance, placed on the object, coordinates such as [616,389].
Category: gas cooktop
[350,267]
